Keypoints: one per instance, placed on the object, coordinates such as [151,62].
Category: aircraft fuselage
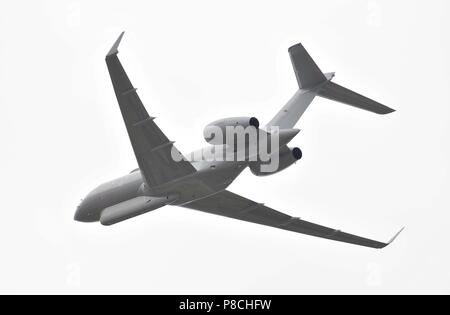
[210,178]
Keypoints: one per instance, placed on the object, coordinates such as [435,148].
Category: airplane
[202,184]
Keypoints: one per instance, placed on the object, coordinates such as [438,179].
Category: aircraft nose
[79,213]
[78,217]
[83,214]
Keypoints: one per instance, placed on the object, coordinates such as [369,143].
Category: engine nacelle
[287,157]
[215,133]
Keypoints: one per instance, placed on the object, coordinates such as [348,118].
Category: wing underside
[154,151]
[234,206]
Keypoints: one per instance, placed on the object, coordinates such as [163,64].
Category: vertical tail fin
[310,77]
[307,72]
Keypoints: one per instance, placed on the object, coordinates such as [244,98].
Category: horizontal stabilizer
[337,93]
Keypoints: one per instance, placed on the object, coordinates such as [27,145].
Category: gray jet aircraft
[165,177]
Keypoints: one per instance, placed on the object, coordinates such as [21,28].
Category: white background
[62,134]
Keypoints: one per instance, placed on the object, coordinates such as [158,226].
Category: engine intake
[297,153]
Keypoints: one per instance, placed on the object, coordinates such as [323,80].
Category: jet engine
[286,157]
[215,133]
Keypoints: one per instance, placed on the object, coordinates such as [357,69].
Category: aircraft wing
[152,148]
[234,206]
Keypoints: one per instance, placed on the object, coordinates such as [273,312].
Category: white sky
[198,61]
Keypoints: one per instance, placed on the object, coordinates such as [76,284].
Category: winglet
[396,235]
[114,48]
[394,238]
